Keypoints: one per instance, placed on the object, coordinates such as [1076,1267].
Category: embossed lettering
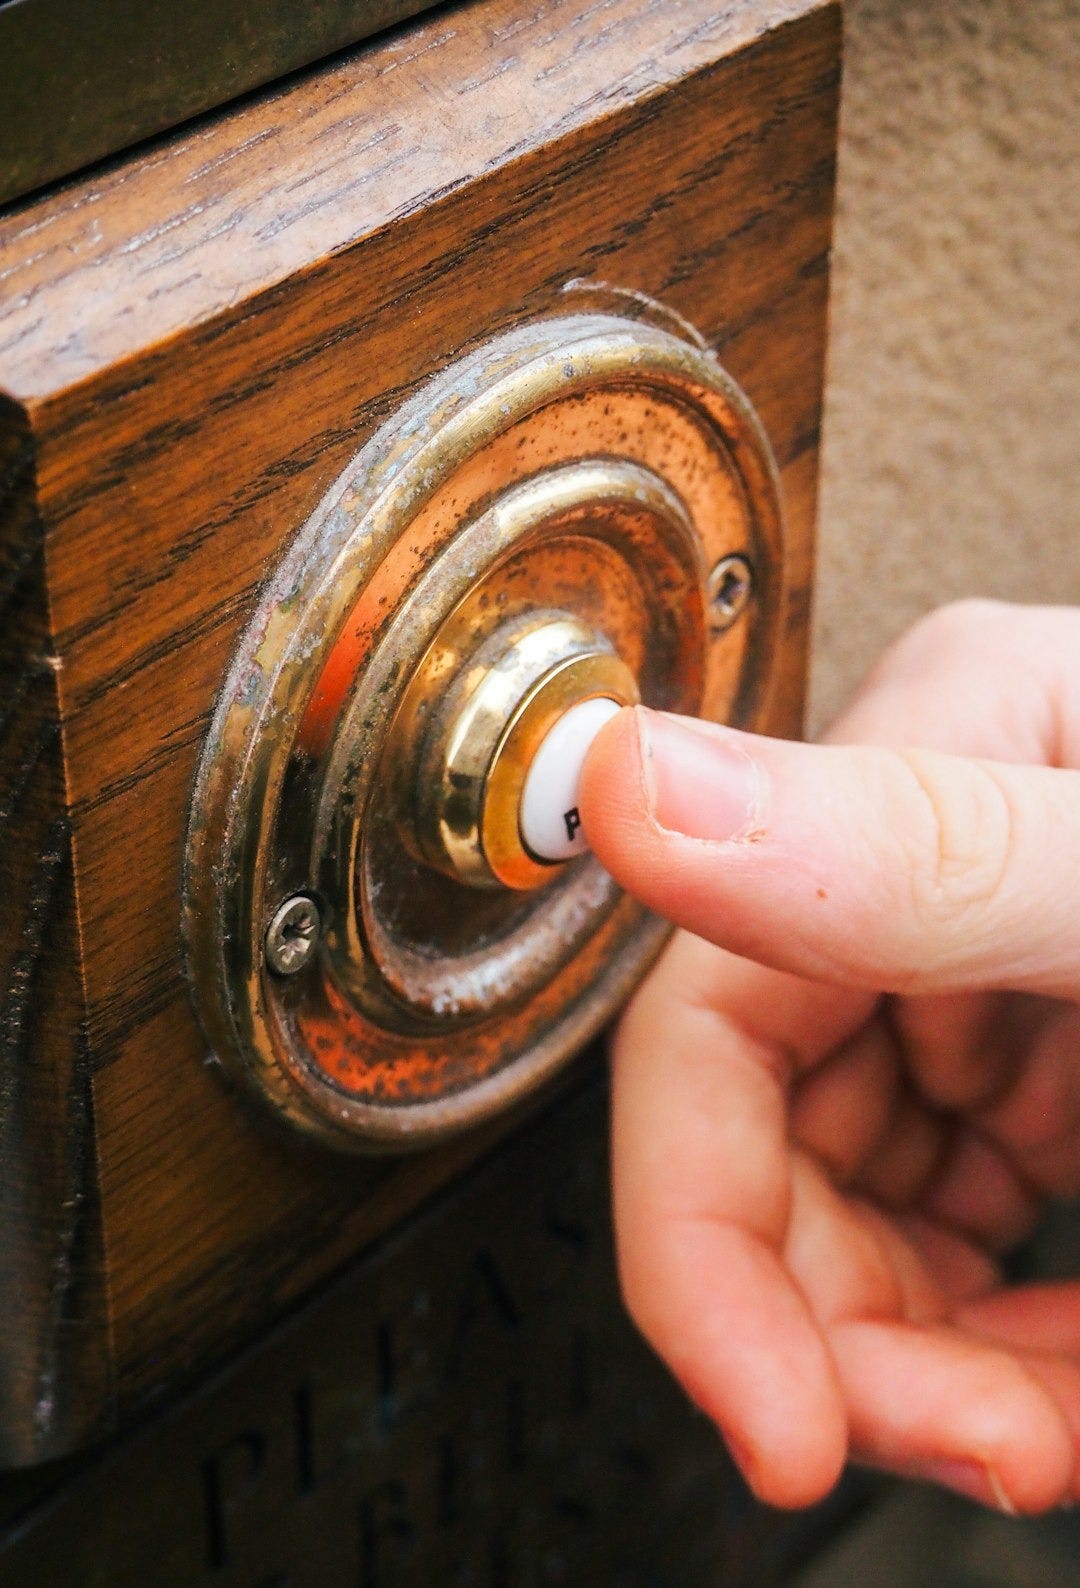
[485,1299]
[403,1345]
[230,1476]
[331,1423]
[388,1535]
[305,1444]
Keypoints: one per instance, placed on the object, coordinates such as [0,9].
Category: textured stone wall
[952,446]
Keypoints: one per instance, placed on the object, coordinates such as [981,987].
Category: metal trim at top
[85,81]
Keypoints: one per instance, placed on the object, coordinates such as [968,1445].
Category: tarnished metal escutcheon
[590,469]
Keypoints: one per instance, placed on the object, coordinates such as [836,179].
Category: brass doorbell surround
[462,783]
[537,527]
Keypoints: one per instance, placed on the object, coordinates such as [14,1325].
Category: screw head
[731,584]
[293,935]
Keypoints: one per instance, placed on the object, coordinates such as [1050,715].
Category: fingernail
[699,780]
[969,1478]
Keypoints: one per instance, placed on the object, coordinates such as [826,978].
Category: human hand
[855,1086]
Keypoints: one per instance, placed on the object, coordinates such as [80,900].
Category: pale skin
[853,1081]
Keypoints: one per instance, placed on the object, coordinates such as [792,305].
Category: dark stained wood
[193,345]
[54,1361]
[468,1405]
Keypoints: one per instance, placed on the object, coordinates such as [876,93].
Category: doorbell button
[551,827]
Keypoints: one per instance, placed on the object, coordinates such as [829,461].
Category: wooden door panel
[194,343]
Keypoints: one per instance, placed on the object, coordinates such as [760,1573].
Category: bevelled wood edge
[214,218]
[53,1361]
[129,71]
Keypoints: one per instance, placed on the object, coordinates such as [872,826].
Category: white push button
[549,817]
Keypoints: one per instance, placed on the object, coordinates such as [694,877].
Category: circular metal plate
[586,464]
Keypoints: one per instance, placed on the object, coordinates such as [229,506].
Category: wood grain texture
[198,341]
[219,217]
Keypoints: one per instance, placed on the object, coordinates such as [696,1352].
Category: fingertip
[612,753]
[789,1480]
[933,1402]
[718,1307]
[611,795]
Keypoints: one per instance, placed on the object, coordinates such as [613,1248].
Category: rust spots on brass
[535,526]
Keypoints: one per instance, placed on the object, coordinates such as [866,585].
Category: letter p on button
[550,824]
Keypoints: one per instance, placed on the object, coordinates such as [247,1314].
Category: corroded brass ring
[587,468]
[445,764]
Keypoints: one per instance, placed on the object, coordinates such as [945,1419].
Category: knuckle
[949,632]
[922,678]
[961,855]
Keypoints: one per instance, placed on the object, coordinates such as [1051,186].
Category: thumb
[895,870]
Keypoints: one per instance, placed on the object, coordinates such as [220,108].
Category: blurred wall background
[952,440]
[952,467]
